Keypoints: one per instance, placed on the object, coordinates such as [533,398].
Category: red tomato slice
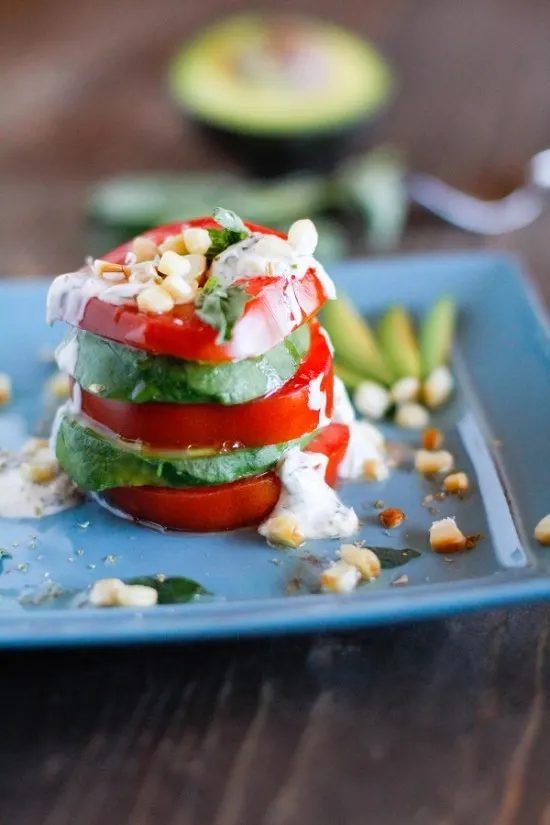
[267,319]
[282,416]
[227,506]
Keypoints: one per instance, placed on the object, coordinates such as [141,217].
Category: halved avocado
[281,93]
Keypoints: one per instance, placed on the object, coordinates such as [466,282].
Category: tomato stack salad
[202,383]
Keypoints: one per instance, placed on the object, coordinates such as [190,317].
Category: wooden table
[437,723]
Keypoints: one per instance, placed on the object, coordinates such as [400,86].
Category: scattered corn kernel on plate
[230,584]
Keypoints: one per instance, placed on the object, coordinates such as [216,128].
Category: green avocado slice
[97,462]
[112,370]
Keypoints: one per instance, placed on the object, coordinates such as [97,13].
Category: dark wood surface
[442,723]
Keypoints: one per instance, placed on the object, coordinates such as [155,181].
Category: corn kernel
[371,399]
[445,536]
[155,299]
[137,595]
[144,249]
[391,517]
[143,272]
[59,386]
[438,386]
[303,237]
[456,483]
[363,559]
[406,389]
[39,472]
[173,264]
[542,530]
[433,461]
[284,530]
[340,577]
[105,592]
[5,389]
[110,271]
[173,243]
[197,264]
[181,290]
[197,240]
[432,439]
[33,446]
[412,416]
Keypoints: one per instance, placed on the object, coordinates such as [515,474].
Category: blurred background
[86,98]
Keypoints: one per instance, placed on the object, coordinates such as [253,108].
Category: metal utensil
[517,210]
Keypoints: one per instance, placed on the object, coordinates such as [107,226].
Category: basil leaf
[229,220]
[220,239]
[221,307]
[389,557]
[173,589]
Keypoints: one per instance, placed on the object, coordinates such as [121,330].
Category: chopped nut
[155,299]
[5,389]
[284,530]
[144,249]
[471,541]
[363,559]
[391,517]
[96,388]
[197,240]
[438,386]
[340,577]
[376,470]
[406,389]
[432,439]
[445,536]
[411,416]
[109,271]
[371,399]
[303,237]
[173,243]
[378,504]
[400,580]
[173,264]
[542,530]
[59,386]
[181,290]
[437,461]
[456,484]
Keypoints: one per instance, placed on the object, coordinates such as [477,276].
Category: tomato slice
[289,413]
[268,317]
[227,506]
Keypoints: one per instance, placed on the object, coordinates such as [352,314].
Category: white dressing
[307,498]
[366,444]
[317,400]
[22,498]
[343,408]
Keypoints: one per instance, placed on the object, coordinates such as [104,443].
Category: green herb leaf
[221,307]
[172,590]
[390,558]
[221,239]
[228,219]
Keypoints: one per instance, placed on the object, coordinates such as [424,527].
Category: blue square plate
[498,428]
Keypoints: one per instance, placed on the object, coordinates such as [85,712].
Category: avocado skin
[271,156]
[96,462]
[128,374]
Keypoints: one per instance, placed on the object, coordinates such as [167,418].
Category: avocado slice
[255,83]
[113,370]
[97,462]
[350,378]
[397,336]
[436,335]
[354,343]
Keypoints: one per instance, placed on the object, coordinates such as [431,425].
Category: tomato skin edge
[243,503]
